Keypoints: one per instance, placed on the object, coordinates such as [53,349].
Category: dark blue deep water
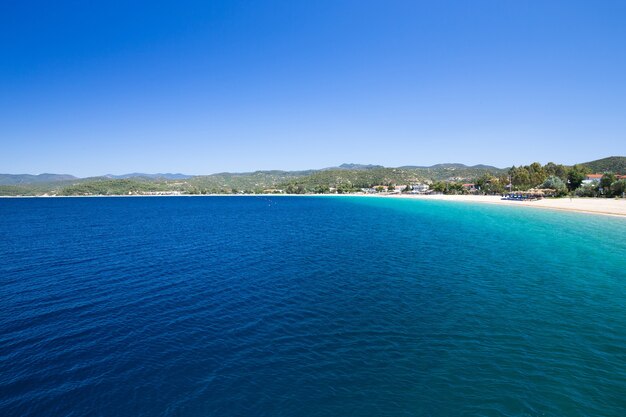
[254,306]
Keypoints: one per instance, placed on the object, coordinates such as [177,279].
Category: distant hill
[361,178]
[167,176]
[615,164]
[357,175]
[452,166]
[244,181]
[354,167]
[22,179]
[346,177]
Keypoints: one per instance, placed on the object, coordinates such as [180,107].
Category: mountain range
[19,179]
[349,175]
[24,179]
[167,176]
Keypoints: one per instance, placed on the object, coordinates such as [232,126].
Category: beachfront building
[419,188]
[595,178]
[590,178]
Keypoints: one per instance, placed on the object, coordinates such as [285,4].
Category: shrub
[587,190]
[618,188]
[557,184]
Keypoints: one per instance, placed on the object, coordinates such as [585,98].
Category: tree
[439,186]
[575,177]
[391,187]
[557,184]
[483,183]
[322,189]
[295,189]
[605,183]
[536,174]
[618,188]
[587,190]
[494,186]
[557,170]
[520,177]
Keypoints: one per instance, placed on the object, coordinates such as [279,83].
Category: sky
[198,87]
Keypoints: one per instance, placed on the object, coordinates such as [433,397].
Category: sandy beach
[605,206]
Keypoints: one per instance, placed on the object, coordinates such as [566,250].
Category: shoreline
[598,206]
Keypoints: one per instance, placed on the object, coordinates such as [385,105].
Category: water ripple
[308,307]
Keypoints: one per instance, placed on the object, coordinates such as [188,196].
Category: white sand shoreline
[601,206]
[598,206]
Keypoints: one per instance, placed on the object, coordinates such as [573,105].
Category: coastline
[598,206]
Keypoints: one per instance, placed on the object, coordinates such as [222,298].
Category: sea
[309,306]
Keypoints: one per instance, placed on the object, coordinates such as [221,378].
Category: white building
[420,188]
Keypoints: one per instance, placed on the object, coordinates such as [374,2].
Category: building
[419,188]
[589,178]
[595,178]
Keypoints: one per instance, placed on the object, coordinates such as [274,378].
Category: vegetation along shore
[604,178]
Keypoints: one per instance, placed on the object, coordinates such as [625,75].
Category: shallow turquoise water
[293,306]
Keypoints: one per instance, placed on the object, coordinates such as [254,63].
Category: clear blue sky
[90,88]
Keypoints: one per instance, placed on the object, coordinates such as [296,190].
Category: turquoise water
[287,306]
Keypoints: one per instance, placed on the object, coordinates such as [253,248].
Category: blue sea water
[287,306]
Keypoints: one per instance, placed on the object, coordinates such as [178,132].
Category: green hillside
[114,187]
[248,181]
[25,179]
[355,179]
[614,164]
[345,178]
